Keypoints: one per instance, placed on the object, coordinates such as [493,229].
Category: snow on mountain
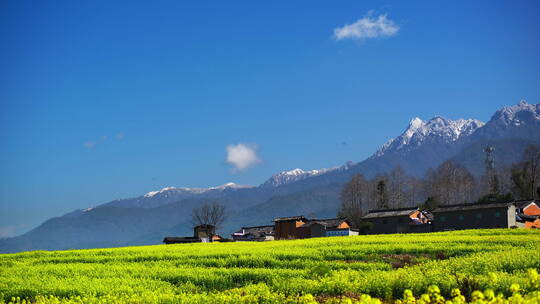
[517,115]
[517,121]
[230,186]
[184,190]
[169,195]
[437,129]
[287,177]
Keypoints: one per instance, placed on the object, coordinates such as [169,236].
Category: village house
[528,214]
[287,227]
[256,233]
[404,220]
[474,216]
[320,227]
[341,231]
[296,227]
[201,233]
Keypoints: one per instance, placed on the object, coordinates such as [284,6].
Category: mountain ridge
[423,145]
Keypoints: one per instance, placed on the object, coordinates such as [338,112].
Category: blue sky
[104,100]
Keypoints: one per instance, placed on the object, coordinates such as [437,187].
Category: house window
[497,214]
[443,218]
[385,222]
[460,217]
[478,215]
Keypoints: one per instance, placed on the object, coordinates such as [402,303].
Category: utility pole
[491,174]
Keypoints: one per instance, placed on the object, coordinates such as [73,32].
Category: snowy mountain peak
[231,186]
[287,177]
[416,123]
[185,190]
[437,128]
[518,114]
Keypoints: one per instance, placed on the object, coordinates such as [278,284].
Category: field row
[325,269]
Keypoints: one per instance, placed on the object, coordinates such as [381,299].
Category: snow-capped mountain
[288,177]
[173,194]
[436,130]
[517,121]
[518,114]
[184,190]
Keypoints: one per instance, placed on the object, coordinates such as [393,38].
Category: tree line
[448,184]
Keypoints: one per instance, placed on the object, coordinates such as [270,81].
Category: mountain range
[148,218]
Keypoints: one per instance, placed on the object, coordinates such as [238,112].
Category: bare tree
[526,175]
[212,214]
[353,199]
[397,188]
[451,184]
[415,191]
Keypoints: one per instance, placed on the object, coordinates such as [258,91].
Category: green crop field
[482,266]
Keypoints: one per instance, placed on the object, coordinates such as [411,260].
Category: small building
[201,233]
[204,231]
[474,216]
[404,220]
[255,233]
[319,227]
[528,214]
[287,227]
[341,231]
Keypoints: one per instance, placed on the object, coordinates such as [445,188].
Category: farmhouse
[201,233]
[320,227]
[341,231]
[256,233]
[528,214]
[295,227]
[474,216]
[403,220]
[287,227]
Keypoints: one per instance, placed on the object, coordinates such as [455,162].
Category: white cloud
[242,156]
[366,28]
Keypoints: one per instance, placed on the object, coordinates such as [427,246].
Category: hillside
[321,270]
[424,144]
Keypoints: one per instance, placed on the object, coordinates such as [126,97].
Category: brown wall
[287,229]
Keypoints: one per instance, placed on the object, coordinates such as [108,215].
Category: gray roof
[389,213]
[174,239]
[259,229]
[290,218]
[328,223]
[342,229]
[464,207]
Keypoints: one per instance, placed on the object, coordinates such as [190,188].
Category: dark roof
[463,207]
[389,213]
[341,229]
[290,218]
[256,231]
[525,203]
[328,223]
[259,229]
[174,239]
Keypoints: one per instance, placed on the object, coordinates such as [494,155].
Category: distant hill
[149,217]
